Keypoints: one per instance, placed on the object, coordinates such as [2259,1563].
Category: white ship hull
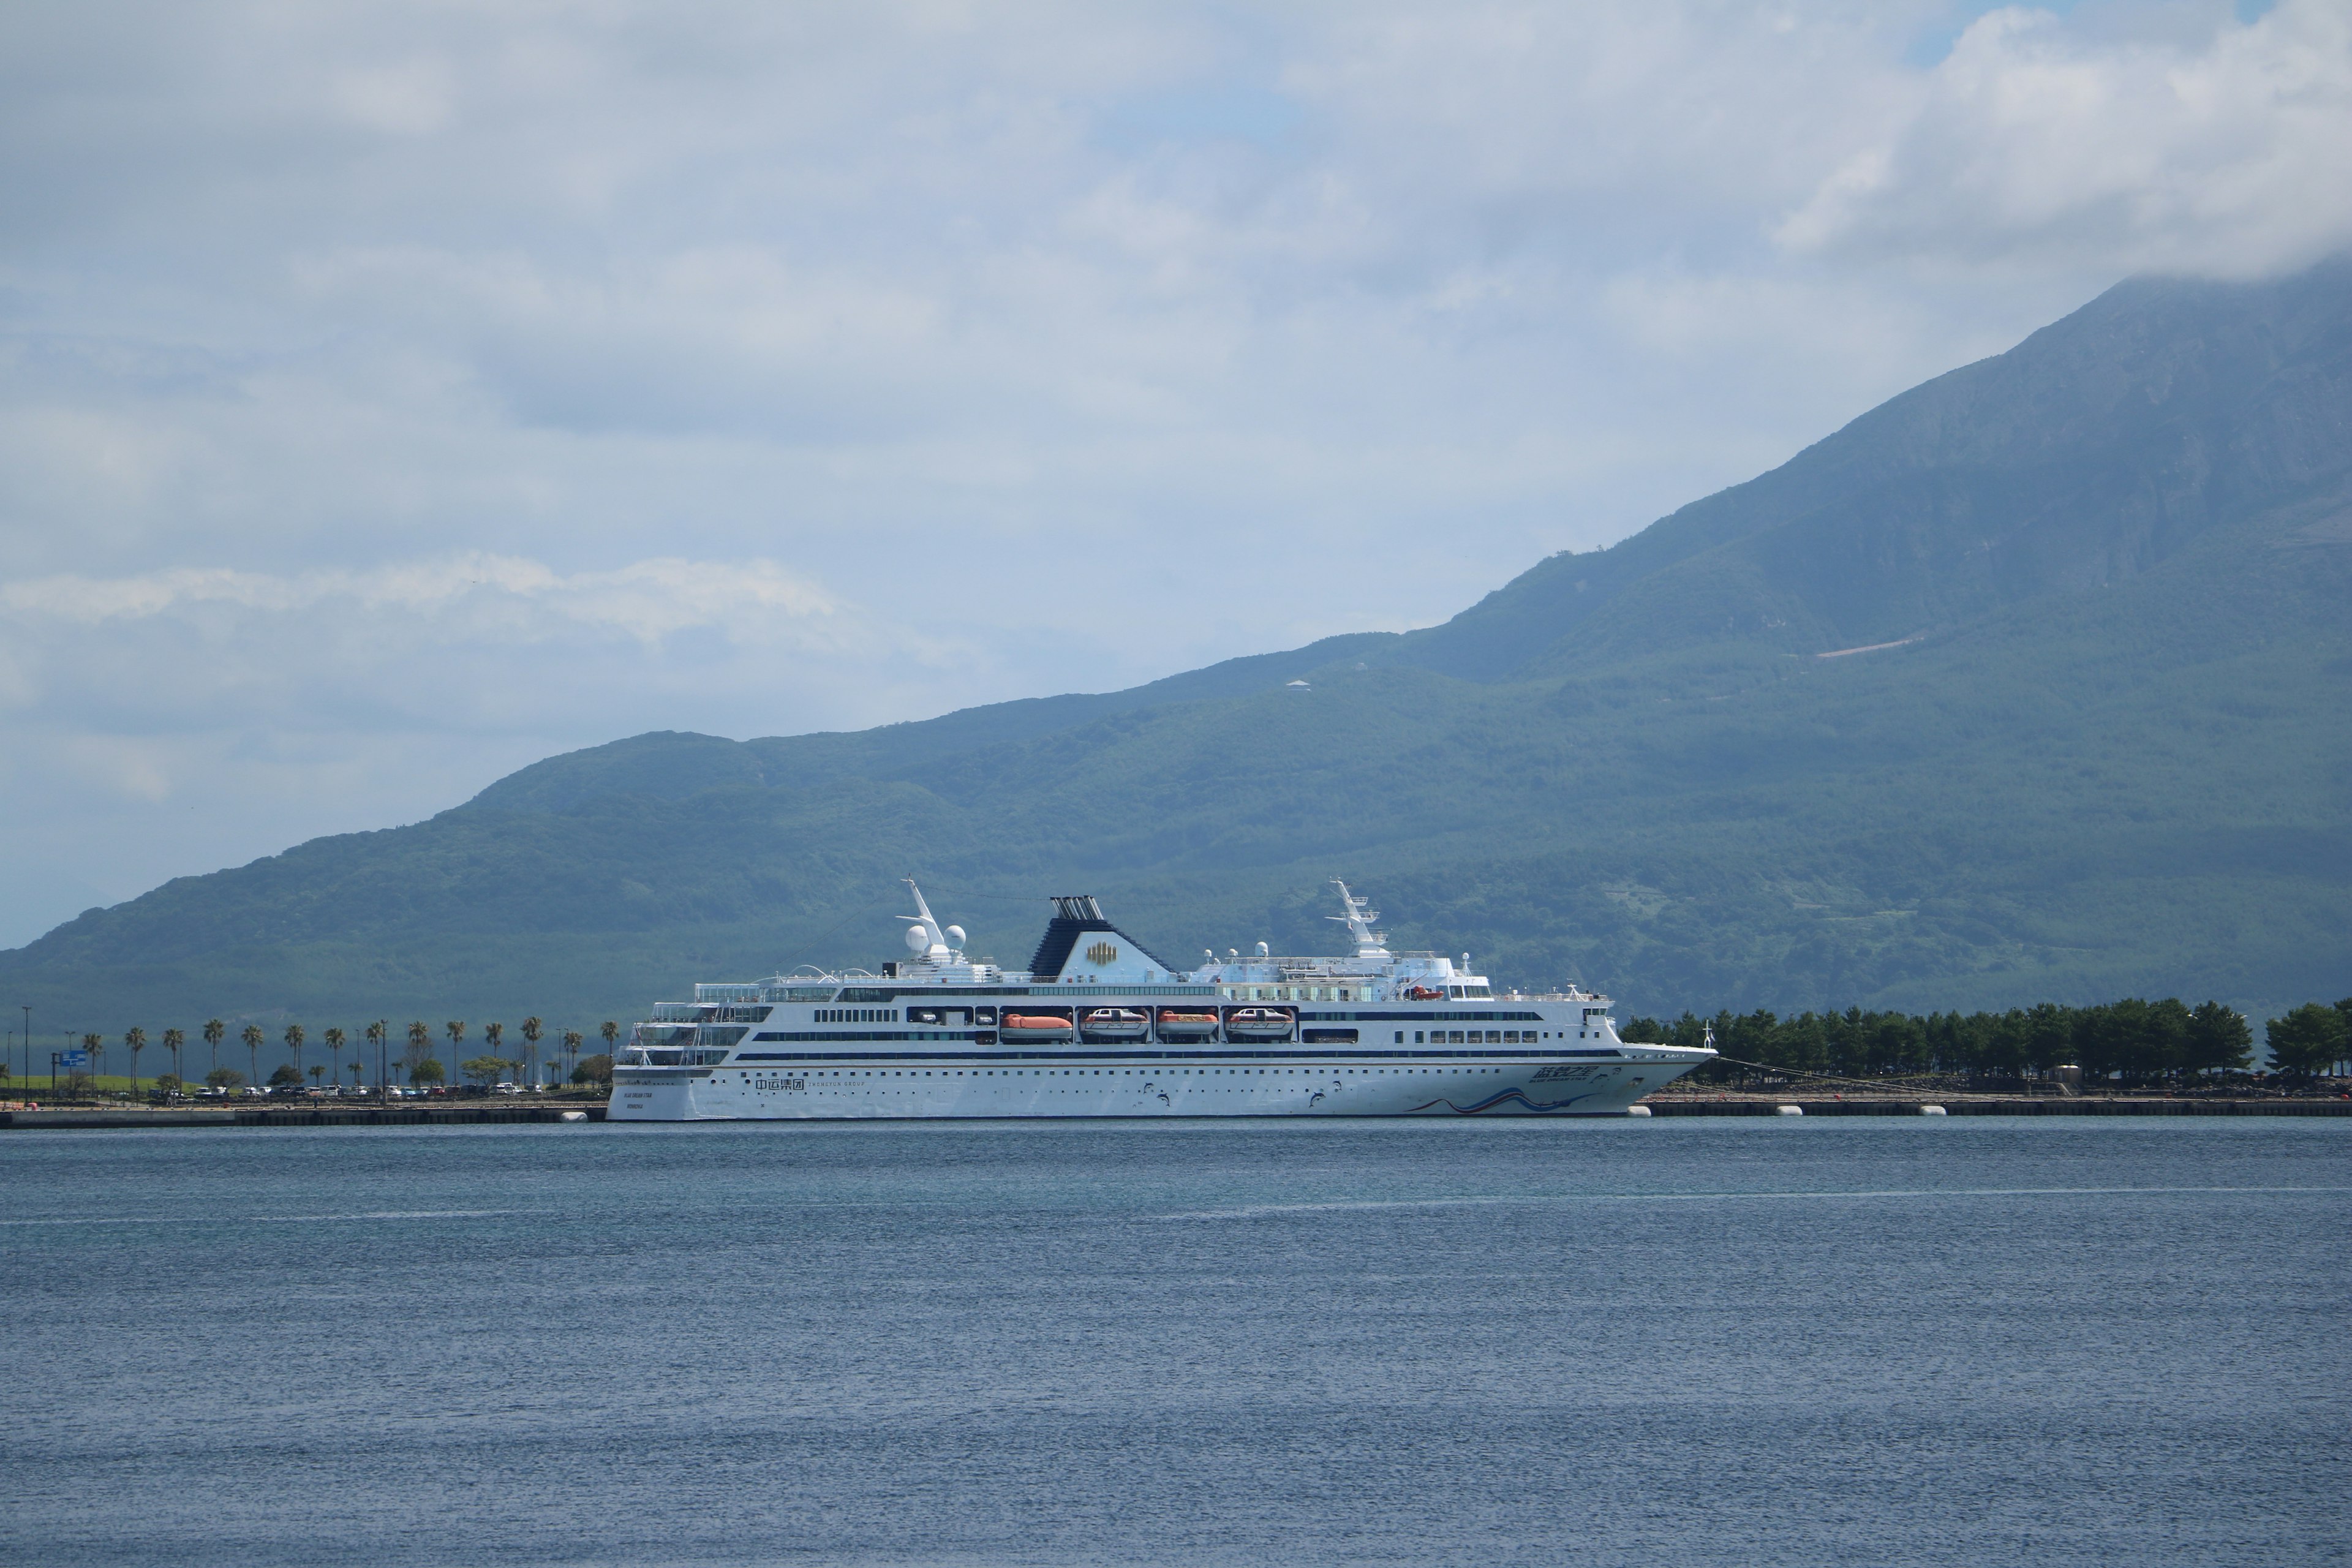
[1377,1035]
[1501,1088]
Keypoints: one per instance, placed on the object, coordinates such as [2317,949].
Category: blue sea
[1973,1340]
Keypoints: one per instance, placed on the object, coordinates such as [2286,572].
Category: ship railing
[803,990]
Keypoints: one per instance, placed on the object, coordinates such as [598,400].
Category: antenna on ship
[926,938]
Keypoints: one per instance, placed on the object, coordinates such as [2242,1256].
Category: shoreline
[1995,1105]
[300,1116]
[1724,1105]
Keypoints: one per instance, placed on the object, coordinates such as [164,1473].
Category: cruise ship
[1100,1026]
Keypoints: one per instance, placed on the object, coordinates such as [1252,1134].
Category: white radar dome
[919,937]
[955,936]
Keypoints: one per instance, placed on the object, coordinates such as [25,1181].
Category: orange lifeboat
[1035,1026]
[1178,1024]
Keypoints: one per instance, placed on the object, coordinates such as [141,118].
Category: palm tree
[420,1042]
[172,1040]
[456,1027]
[136,1039]
[376,1039]
[494,1034]
[213,1030]
[294,1042]
[530,1032]
[335,1037]
[610,1031]
[252,1038]
[570,1053]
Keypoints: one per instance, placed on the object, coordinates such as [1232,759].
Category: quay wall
[297,1116]
[460,1116]
[1993,1106]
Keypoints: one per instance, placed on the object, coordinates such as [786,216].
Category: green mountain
[2032,683]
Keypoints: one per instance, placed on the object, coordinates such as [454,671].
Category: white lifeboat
[1114,1023]
[1258,1023]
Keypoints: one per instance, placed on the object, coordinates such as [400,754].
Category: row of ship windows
[1289,992]
[856,1016]
[1338,993]
[1137,1072]
[1420,1037]
[1493,1036]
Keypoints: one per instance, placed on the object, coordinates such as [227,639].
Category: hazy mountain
[2104,750]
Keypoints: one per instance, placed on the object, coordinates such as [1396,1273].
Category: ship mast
[1370,944]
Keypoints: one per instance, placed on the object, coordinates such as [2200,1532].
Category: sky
[392,394]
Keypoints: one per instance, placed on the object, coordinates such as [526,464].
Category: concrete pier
[475,1115]
[1992,1105]
[297,1116]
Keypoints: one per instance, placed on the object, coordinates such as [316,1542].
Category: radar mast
[1370,944]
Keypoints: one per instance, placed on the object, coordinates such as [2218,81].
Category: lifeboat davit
[1176,1024]
[1114,1023]
[1257,1024]
[1035,1026]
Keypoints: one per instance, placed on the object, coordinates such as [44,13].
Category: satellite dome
[955,936]
[919,937]
[1262,950]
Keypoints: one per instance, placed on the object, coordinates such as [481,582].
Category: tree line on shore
[411,1053]
[2132,1041]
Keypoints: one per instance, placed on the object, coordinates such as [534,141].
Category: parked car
[508,1087]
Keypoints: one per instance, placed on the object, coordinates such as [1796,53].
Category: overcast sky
[392,394]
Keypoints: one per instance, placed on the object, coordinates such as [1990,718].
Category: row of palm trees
[417,1058]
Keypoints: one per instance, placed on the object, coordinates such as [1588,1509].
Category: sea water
[1867,1340]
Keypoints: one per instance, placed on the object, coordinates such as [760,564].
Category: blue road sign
[73,1058]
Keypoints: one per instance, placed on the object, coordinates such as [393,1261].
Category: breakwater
[460,1116]
[1997,1106]
[301,1116]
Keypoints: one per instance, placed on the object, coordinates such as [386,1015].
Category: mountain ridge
[2098,746]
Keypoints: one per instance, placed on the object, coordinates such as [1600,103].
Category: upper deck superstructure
[1100,1026]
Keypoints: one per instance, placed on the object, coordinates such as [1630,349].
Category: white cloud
[392,393]
[752,602]
[2031,144]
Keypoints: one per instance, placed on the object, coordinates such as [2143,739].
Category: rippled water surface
[1680,1341]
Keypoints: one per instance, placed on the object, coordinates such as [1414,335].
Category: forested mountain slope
[2110,752]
